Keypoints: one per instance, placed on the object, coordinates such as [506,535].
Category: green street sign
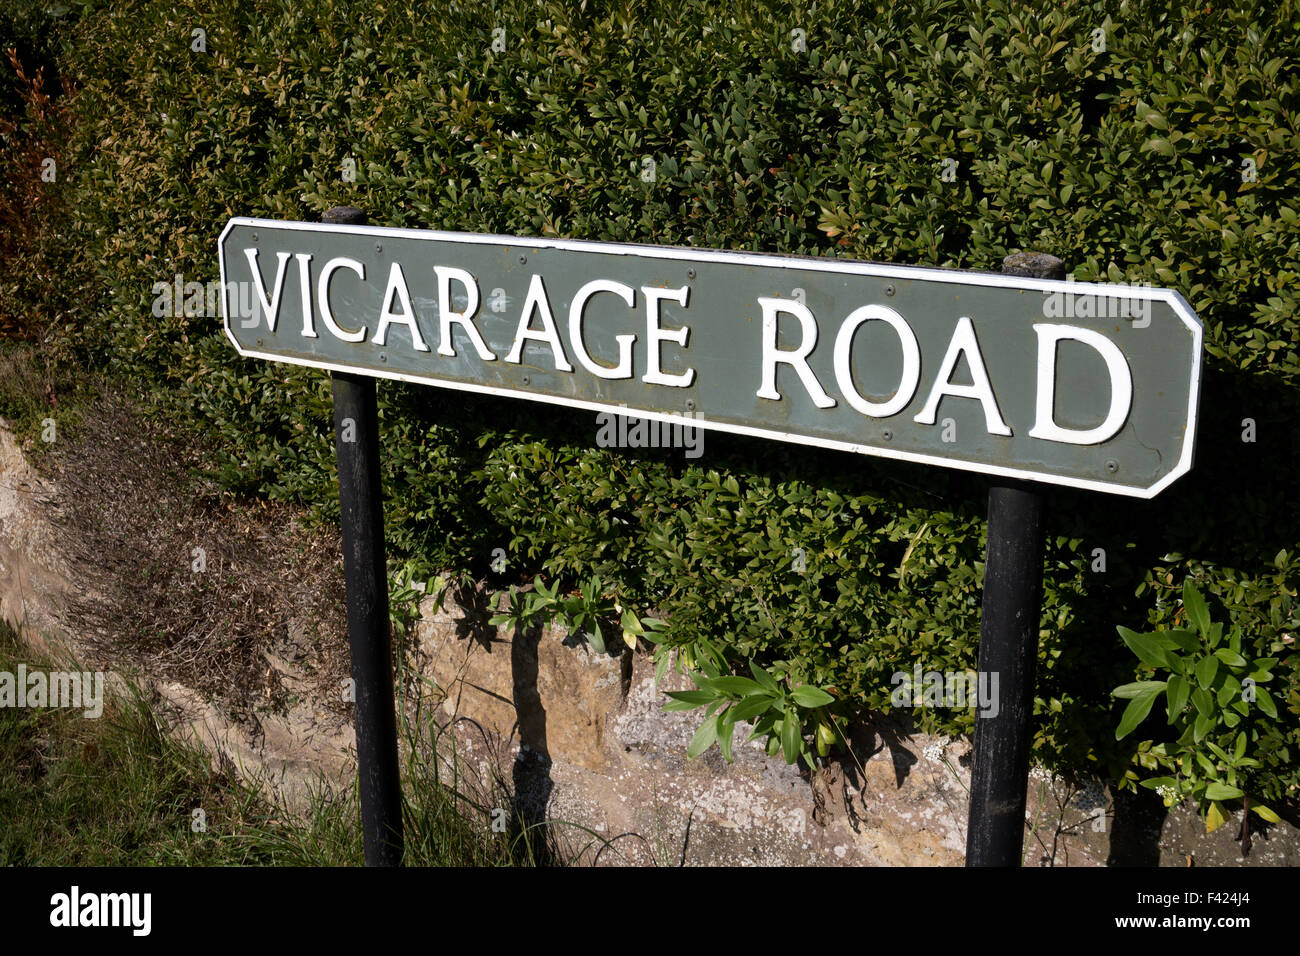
[1089,385]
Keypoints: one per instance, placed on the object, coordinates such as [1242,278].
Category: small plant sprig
[412,584]
[587,611]
[1214,703]
[779,711]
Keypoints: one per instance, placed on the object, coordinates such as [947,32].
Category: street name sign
[1090,385]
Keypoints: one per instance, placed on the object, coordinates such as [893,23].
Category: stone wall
[583,738]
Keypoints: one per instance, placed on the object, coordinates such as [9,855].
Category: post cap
[1033,265]
[345,216]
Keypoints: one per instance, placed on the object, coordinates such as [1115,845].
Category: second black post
[1013,583]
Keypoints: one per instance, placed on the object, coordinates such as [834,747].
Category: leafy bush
[33,122]
[1224,720]
[778,711]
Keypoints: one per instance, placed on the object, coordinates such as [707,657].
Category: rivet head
[383,356]
[887,434]
[889,290]
[690,273]
[690,404]
[527,380]
[255,237]
[379,247]
[523,259]
[1112,465]
[259,341]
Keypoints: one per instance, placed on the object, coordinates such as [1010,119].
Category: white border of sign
[768,261]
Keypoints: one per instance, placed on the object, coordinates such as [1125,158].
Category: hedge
[1140,142]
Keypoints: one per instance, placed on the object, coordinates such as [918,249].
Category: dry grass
[135,509]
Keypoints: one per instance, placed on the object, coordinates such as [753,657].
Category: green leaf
[1176,696]
[1206,668]
[1266,813]
[661,667]
[690,699]
[1265,701]
[652,628]
[735,686]
[825,739]
[597,640]
[676,705]
[704,738]
[1230,690]
[1221,791]
[1155,783]
[1186,641]
[1229,657]
[1137,711]
[1197,611]
[1146,646]
[763,677]
[1203,701]
[766,725]
[790,736]
[1138,688]
[1161,146]
[726,730]
[808,696]
[751,706]
[1204,724]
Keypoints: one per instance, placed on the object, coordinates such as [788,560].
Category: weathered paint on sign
[1090,385]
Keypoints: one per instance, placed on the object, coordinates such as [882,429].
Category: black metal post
[356,437]
[1013,583]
